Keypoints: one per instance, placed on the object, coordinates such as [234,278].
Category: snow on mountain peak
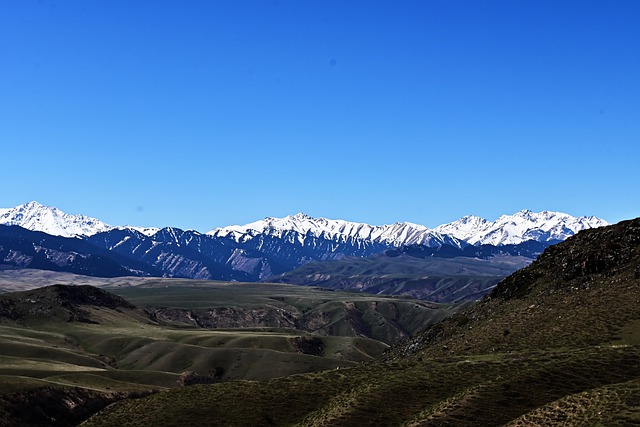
[51,220]
[545,226]
[301,216]
[147,231]
[398,234]
[464,228]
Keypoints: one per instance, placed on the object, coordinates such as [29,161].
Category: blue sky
[200,114]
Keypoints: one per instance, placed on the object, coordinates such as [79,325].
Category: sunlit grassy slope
[47,337]
[59,339]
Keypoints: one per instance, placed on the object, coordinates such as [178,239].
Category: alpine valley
[460,260]
[104,325]
[555,343]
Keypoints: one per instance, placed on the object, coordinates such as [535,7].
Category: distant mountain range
[266,248]
[525,225]
[395,235]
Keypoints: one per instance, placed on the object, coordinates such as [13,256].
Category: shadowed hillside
[58,302]
[441,274]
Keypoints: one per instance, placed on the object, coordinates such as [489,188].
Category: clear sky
[200,114]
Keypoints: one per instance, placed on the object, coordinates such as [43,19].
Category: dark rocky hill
[59,302]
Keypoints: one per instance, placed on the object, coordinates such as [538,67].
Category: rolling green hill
[93,346]
[321,312]
[556,343]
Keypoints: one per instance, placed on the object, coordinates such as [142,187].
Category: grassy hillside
[86,342]
[556,343]
[84,329]
[453,391]
[317,311]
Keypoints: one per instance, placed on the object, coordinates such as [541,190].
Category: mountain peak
[545,226]
[51,220]
[301,216]
[467,218]
[34,205]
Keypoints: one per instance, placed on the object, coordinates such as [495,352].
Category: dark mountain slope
[441,274]
[173,252]
[189,254]
[22,248]
[440,392]
[54,405]
[528,249]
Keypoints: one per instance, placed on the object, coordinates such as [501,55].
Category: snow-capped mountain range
[525,225]
[398,234]
[265,250]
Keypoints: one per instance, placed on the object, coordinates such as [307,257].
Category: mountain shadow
[22,248]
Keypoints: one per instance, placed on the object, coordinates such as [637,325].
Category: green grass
[454,391]
[317,311]
[206,294]
[125,350]
[242,354]
[96,381]
[610,405]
